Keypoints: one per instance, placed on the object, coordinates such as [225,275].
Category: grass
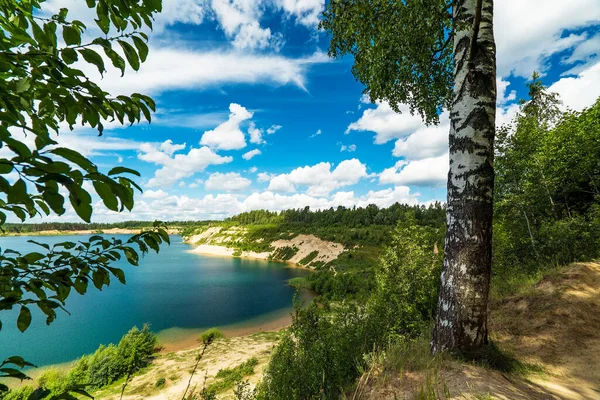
[228,377]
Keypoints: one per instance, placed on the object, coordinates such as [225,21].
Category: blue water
[173,289]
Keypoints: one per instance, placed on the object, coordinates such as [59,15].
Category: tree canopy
[43,92]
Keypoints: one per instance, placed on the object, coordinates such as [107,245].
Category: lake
[177,292]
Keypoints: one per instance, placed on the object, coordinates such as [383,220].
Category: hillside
[341,245]
[551,329]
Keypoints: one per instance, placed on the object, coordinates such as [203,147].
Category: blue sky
[253,114]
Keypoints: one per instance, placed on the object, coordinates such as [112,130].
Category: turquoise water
[173,289]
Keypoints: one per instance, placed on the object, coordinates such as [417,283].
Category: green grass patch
[228,377]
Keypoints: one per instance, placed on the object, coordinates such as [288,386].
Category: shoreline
[229,252]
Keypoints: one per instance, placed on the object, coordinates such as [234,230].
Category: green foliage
[228,377]
[308,258]
[43,89]
[402,50]
[547,188]
[105,366]
[209,336]
[408,278]
[284,253]
[319,356]
[160,382]
[110,363]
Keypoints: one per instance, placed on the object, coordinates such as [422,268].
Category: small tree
[42,90]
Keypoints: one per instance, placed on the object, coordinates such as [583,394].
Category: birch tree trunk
[461,320]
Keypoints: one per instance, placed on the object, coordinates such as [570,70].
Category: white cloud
[239,19]
[273,128]
[306,12]
[154,194]
[169,148]
[580,91]
[386,123]
[317,133]
[501,96]
[178,166]
[255,134]
[350,148]
[251,153]
[253,170]
[319,178]
[265,176]
[528,32]
[425,142]
[228,135]
[229,182]
[432,172]
[179,68]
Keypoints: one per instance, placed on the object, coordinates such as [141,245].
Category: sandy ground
[306,244]
[176,367]
[556,327]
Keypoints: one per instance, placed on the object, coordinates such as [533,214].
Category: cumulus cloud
[320,178]
[178,166]
[250,154]
[386,123]
[228,135]
[256,134]
[229,182]
[426,142]
[529,32]
[306,12]
[431,172]
[224,205]
[580,91]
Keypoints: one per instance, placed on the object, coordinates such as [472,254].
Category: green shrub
[210,335]
[160,382]
[229,377]
[309,258]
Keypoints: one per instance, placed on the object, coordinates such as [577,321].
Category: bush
[160,382]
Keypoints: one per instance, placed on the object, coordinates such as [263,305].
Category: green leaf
[18,192]
[123,170]
[75,157]
[24,319]
[106,194]
[130,54]
[69,55]
[116,59]
[81,202]
[80,285]
[142,48]
[5,167]
[71,35]
[118,273]
[93,58]
[23,85]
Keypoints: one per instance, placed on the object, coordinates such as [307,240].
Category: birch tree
[430,55]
